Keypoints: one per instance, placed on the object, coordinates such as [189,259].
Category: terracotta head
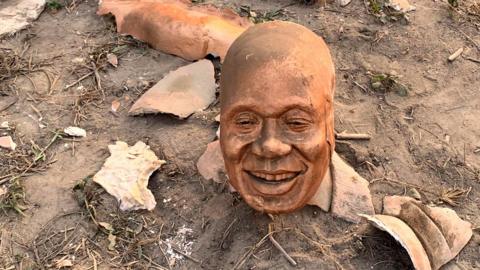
[276,99]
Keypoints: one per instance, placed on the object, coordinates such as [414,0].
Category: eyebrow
[256,109]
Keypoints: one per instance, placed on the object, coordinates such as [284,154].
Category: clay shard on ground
[346,195]
[401,232]
[177,26]
[210,165]
[126,172]
[432,234]
[17,15]
[442,233]
[400,5]
[7,143]
[181,92]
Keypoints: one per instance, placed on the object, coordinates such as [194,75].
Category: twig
[250,252]
[185,255]
[34,161]
[154,263]
[472,59]
[469,39]
[79,80]
[361,86]
[97,78]
[279,247]
[227,232]
[349,136]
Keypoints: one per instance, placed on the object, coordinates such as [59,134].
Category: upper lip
[272,172]
[274,176]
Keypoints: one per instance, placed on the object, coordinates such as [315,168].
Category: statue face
[275,147]
[276,123]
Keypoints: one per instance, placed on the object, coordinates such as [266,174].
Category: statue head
[277,87]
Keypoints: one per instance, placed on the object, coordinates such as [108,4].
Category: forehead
[273,89]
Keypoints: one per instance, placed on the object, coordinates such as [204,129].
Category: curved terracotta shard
[405,236]
[177,27]
[442,233]
[181,92]
[210,165]
[126,172]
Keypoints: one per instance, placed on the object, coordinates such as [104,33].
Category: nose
[268,145]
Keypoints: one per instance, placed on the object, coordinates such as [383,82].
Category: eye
[246,122]
[298,124]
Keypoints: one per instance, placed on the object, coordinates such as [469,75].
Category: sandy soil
[428,139]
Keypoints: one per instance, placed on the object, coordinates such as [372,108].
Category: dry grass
[26,159]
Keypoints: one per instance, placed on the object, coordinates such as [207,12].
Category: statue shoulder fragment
[344,192]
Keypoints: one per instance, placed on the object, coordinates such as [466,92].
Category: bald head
[276,51]
[276,121]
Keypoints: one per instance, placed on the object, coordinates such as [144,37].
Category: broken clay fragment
[400,5]
[177,26]
[346,195]
[126,172]
[442,233]
[401,232]
[210,165]
[17,15]
[180,92]
[7,142]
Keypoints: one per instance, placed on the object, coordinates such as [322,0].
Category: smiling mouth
[273,178]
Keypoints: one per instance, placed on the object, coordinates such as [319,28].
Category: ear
[329,118]
[329,129]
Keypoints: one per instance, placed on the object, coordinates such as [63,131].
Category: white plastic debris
[126,172]
[75,132]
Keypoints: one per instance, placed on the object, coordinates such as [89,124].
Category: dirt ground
[425,136]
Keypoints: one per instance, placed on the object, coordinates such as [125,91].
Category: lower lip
[272,187]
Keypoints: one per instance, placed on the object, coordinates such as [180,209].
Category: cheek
[313,147]
[233,146]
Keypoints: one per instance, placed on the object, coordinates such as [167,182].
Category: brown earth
[428,139]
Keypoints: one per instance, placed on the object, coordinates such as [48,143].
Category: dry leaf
[106,226]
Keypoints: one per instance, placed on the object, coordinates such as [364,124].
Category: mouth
[273,178]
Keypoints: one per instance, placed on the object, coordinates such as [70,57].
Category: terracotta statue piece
[277,138]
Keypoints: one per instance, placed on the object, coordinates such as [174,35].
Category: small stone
[4,125]
[78,60]
[343,3]
[112,59]
[75,132]
[376,85]
[115,105]
[7,142]
[413,192]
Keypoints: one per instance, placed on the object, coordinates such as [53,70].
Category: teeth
[275,177]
